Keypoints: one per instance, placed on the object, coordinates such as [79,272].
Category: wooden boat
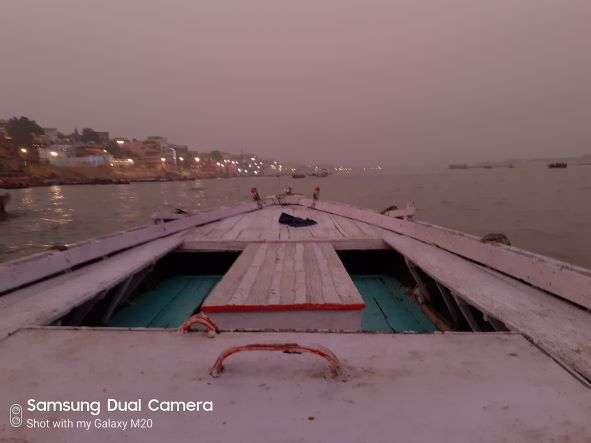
[4,199]
[360,327]
[321,173]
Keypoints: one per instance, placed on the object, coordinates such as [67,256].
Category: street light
[181,159]
[197,159]
[162,159]
[24,150]
[53,153]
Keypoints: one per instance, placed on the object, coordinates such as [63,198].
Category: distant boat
[4,199]
[558,165]
[458,166]
[321,173]
[298,175]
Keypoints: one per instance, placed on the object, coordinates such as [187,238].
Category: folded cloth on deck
[295,222]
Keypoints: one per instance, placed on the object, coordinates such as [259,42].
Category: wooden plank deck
[263,225]
[285,277]
[562,329]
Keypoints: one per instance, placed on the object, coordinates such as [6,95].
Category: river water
[543,210]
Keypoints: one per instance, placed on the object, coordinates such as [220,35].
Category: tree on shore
[89,135]
[216,156]
[23,131]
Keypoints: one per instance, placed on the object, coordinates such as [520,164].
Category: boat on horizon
[321,173]
[325,316]
[559,165]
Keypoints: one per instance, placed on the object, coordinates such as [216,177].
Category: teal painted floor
[168,305]
[388,308]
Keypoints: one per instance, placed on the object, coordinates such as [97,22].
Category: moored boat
[558,165]
[324,321]
[321,173]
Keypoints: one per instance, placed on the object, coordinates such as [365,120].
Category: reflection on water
[539,209]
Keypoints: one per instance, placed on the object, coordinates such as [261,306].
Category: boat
[558,165]
[321,173]
[458,166]
[4,199]
[355,326]
[298,175]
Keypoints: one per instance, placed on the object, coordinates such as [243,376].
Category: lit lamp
[197,159]
[24,152]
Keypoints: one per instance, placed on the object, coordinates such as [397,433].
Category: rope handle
[287,348]
[200,319]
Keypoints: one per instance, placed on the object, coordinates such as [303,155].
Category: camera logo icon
[16,415]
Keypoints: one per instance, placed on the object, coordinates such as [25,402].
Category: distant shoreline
[24,182]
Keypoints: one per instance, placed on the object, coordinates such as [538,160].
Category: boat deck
[407,387]
[263,225]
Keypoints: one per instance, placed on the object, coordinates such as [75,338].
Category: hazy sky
[358,81]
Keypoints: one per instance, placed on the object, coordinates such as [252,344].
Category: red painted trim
[278,308]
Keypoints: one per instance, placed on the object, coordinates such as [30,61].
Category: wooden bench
[286,286]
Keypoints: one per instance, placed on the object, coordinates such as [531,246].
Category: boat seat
[286,285]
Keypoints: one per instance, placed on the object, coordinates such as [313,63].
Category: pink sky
[394,80]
